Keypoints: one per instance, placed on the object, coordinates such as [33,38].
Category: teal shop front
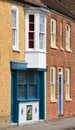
[27,93]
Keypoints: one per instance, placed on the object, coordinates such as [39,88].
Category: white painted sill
[68,100]
[68,50]
[54,47]
[16,50]
[54,101]
[61,48]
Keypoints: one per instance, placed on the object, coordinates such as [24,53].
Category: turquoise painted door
[60,96]
[42,98]
[14,107]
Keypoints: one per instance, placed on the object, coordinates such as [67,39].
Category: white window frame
[68,37]
[16,43]
[53,84]
[53,33]
[36,31]
[67,84]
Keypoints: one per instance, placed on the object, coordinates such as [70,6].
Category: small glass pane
[42,23]
[31,40]
[14,18]
[22,77]
[31,91]
[21,91]
[31,44]
[41,40]
[31,27]
[31,36]
[32,78]
[31,18]
[14,36]
[42,28]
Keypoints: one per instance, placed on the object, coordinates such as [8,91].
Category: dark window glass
[31,31]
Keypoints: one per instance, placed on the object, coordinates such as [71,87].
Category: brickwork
[55,57]
[7,54]
[60,58]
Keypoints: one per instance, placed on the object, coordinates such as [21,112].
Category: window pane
[31,40]
[41,40]
[52,75]
[22,77]
[53,32]
[42,23]
[31,27]
[52,26]
[32,83]
[31,44]
[14,36]
[21,91]
[32,78]
[61,34]
[42,28]
[53,82]
[67,83]
[14,18]
[31,91]
[68,36]
[31,18]
[31,36]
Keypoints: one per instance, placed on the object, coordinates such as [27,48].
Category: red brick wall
[64,59]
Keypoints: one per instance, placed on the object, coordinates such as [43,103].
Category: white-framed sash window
[68,37]
[35,32]
[15,25]
[53,33]
[61,35]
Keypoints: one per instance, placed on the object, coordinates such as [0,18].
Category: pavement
[59,124]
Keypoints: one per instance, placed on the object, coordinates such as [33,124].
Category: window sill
[16,50]
[54,101]
[68,100]
[35,51]
[62,49]
[27,100]
[54,47]
[68,50]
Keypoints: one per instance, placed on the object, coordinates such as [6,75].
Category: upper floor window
[53,33]
[35,32]
[53,83]
[68,37]
[41,31]
[61,35]
[15,27]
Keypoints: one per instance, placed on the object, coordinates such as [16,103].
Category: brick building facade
[60,58]
[27,93]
